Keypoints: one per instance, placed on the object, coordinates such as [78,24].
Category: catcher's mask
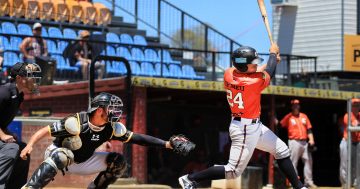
[30,71]
[244,56]
[111,103]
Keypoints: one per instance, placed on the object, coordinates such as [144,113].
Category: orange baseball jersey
[355,120]
[244,92]
[297,126]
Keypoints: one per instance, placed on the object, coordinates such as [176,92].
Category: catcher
[78,135]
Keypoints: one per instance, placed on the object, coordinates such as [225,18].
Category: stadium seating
[69,33]
[103,14]
[24,29]
[55,32]
[115,68]
[4,7]
[167,57]
[89,12]
[46,9]
[75,11]
[151,55]
[17,8]
[112,38]
[51,45]
[189,73]
[61,46]
[135,68]
[126,39]
[123,52]
[175,71]
[5,45]
[62,65]
[10,58]
[147,69]
[110,51]
[165,70]
[31,9]
[15,43]
[61,11]
[137,54]
[8,28]
[44,32]
[139,40]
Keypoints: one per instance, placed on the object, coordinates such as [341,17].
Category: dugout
[162,107]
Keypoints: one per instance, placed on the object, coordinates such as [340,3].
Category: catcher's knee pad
[116,167]
[61,158]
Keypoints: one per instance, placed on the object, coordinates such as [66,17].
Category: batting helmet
[243,56]
[112,103]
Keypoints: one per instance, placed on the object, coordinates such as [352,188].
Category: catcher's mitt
[181,145]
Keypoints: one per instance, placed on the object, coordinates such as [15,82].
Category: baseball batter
[301,138]
[243,85]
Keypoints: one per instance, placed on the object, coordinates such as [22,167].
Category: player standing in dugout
[243,85]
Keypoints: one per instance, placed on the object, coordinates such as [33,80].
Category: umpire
[13,170]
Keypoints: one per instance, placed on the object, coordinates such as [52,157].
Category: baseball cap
[18,69]
[295,101]
[37,25]
[84,34]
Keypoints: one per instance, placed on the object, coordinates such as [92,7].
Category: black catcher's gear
[243,56]
[112,103]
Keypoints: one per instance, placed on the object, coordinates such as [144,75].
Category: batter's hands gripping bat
[265,18]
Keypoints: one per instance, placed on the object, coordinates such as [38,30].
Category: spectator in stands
[13,170]
[355,147]
[35,46]
[301,139]
[83,53]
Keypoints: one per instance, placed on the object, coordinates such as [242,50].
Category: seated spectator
[83,54]
[32,47]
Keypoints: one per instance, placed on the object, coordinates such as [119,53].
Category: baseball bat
[265,19]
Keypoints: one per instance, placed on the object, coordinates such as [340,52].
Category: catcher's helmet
[112,103]
[243,56]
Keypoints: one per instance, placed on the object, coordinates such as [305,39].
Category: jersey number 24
[236,99]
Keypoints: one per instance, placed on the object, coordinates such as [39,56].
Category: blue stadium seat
[148,69]
[175,71]
[167,58]
[61,46]
[139,40]
[24,29]
[15,43]
[165,70]
[55,32]
[126,39]
[97,32]
[10,58]
[112,38]
[4,44]
[110,51]
[69,33]
[137,54]
[135,68]
[189,72]
[0,30]
[115,67]
[61,64]
[51,45]
[151,55]
[8,28]
[123,52]
[44,32]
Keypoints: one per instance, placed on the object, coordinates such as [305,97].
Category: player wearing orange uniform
[355,137]
[243,86]
[301,138]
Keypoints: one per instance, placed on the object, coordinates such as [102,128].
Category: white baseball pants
[245,137]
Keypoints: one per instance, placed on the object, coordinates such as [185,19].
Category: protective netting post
[348,168]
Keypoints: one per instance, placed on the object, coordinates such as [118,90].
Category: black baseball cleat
[186,183]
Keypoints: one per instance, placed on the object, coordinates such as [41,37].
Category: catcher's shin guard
[42,176]
[116,167]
